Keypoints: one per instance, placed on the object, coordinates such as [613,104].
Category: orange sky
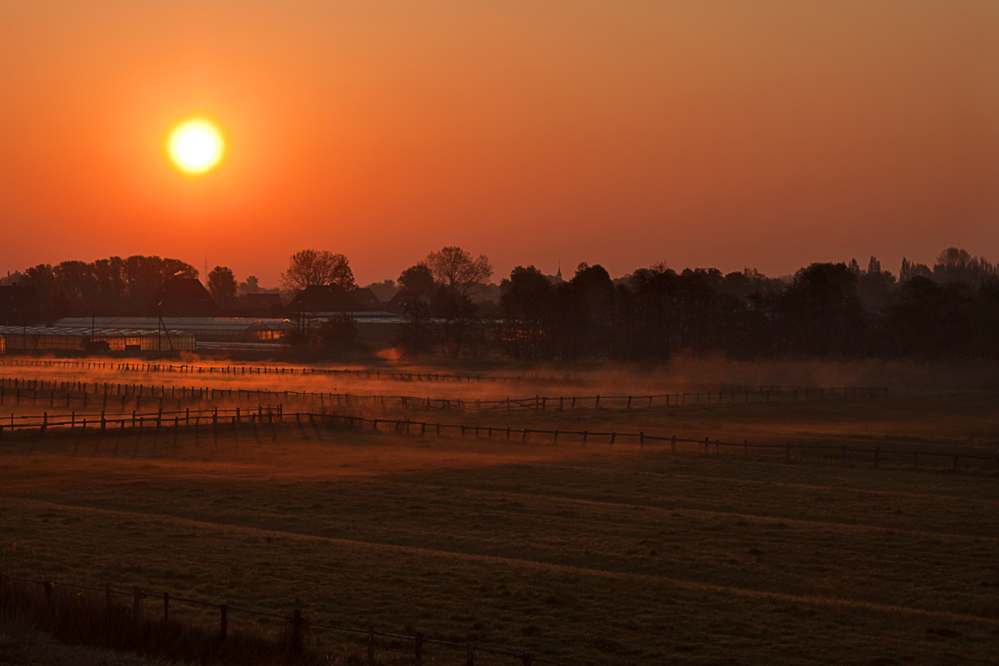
[727,134]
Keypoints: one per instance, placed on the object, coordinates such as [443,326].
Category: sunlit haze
[767,135]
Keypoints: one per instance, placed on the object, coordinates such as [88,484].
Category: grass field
[614,555]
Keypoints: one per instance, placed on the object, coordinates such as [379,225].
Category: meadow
[610,554]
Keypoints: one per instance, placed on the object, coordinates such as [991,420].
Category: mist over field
[795,526]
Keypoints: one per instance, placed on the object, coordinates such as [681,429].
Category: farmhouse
[319,299]
[183,297]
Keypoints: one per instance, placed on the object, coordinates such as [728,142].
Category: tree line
[825,309]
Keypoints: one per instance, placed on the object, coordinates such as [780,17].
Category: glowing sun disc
[195,146]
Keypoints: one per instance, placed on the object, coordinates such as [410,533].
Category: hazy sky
[727,134]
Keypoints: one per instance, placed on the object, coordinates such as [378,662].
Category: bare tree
[318,267]
[455,269]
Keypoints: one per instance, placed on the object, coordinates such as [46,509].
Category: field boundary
[190,368]
[215,418]
[296,624]
[17,389]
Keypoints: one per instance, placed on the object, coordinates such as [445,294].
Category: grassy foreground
[616,556]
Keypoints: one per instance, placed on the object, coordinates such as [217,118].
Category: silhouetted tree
[926,319]
[525,314]
[910,270]
[144,275]
[222,286]
[318,267]
[105,287]
[416,335]
[955,265]
[875,286]
[654,291]
[822,311]
[586,313]
[418,279]
[338,333]
[251,285]
[985,322]
[456,322]
[456,270]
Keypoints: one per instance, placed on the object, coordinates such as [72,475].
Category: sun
[196,146]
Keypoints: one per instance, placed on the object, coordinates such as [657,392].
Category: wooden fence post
[672,444]
[641,438]
[371,646]
[137,603]
[419,649]
[166,607]
[296,631]
[223,622]
[471,655]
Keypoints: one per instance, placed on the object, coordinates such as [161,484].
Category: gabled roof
[183,297]
[404,298]
[323,298]
[365,296]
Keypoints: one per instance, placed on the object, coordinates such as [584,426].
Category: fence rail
[186,368]
[271,414]
[297,622]
[17,390]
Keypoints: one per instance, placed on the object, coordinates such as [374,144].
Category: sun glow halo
[195,146]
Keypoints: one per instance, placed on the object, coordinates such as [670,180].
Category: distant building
[404,299]
[367,298]
[557,278]
[183,297]
[267,304]
[316,299]
[19,306]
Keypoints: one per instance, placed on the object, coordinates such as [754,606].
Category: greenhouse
[92,338]
[204,329]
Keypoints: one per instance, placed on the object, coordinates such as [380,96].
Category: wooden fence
[295,621]
[83,393]
[275,414]
[141,367]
